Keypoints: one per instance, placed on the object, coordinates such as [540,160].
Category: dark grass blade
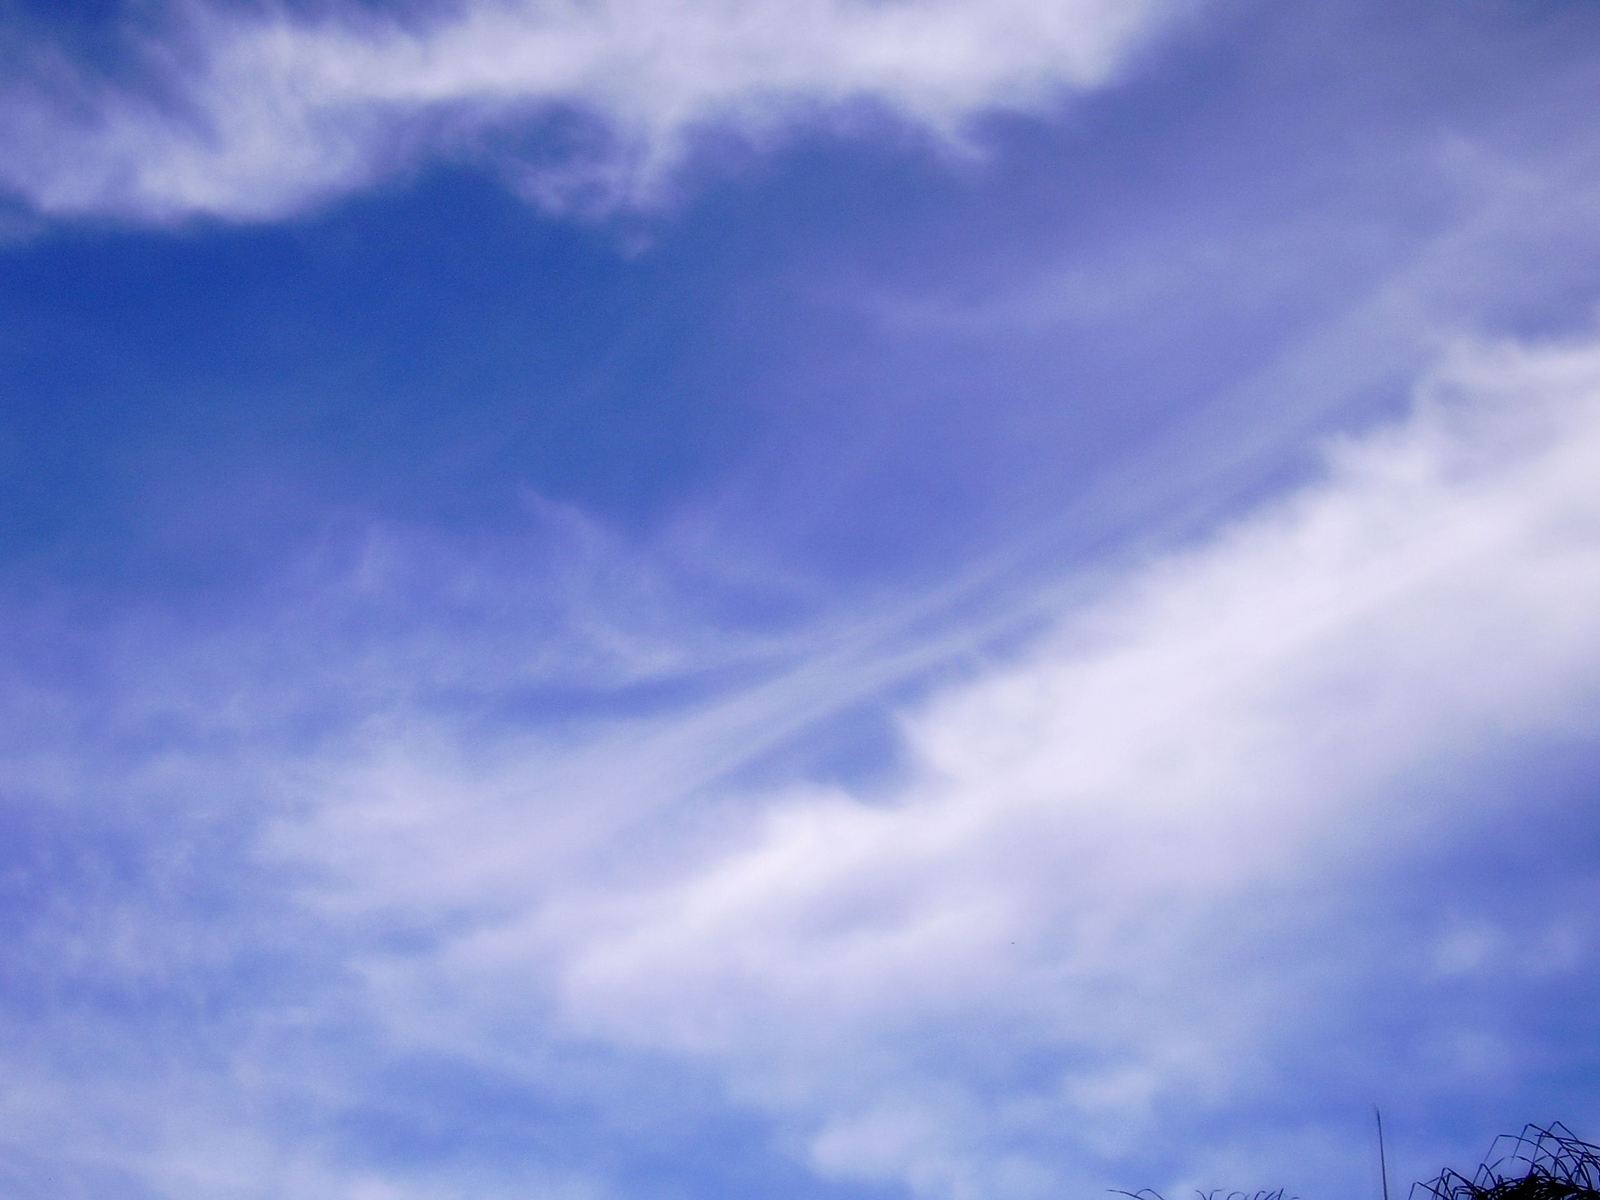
[1214,1194]
[1540,1163]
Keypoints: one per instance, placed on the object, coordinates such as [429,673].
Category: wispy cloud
[589,105]
[1115,884]
[1100,856]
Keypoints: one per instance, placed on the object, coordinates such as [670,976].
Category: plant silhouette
[1540,1163]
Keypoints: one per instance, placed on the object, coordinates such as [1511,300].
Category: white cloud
[263,116]
[1092,844]
[1109,889]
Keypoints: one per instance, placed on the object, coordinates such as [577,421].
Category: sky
[802,599]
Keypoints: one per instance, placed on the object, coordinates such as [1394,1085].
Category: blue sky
[663,599]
